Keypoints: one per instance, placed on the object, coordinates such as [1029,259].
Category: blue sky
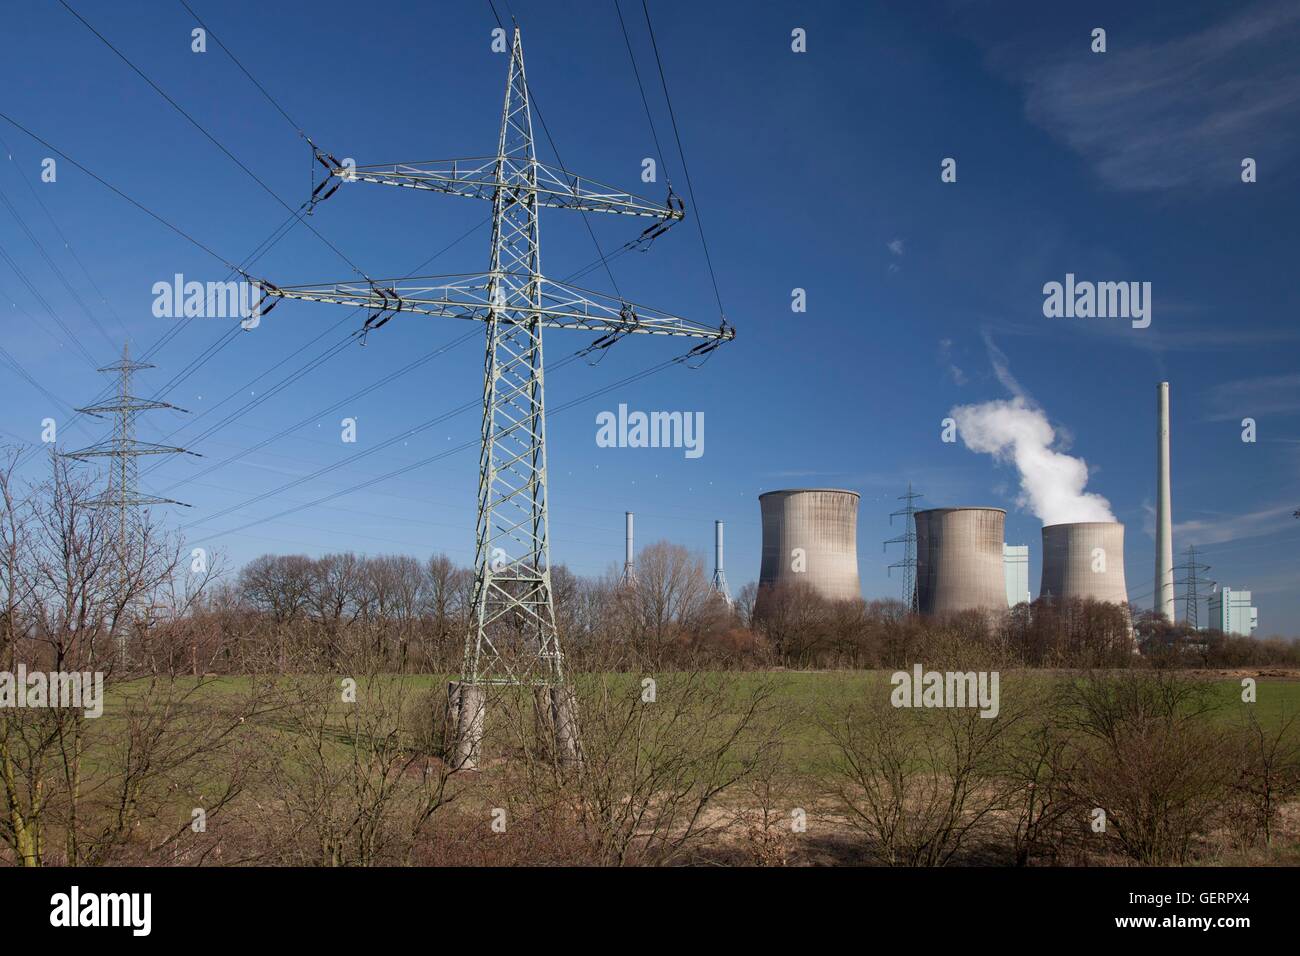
[817,171]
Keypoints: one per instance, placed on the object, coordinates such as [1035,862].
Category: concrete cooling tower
[959,564]
[810,536]
[1084,560]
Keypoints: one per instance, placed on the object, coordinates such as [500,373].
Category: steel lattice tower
[908,540]
[1192,600]
[513,637]
[122,492]
[628,580]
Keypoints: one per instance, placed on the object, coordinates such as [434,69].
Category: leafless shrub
[923,785]
[1151,759]
[1268,760]
[348,784]
[659,752]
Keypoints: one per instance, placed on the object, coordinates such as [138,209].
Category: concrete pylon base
[467,710]
[564,717]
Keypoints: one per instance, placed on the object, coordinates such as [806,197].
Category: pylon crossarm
[115,447]
[559,306]
[477,178]
[114,500]
[131,405]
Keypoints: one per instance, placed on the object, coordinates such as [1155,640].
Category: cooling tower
[959,560]
[810,536]
[1084,560]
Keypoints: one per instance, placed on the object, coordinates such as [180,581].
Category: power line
[644,373]
[654,132]
[38,296]
[103,182]
[67,244]
[690,187]
[425,359]
[197,125]
[315,363]
[312,363]
[278,234]
[27,376]
[602,259]
[234,59]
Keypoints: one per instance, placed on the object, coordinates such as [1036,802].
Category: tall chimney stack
[629,567]
[719,575]
[1164,593]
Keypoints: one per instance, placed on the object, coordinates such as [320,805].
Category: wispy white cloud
[1254,397]
[1220,528]
[1002,369]
[1181,112]
[945,358]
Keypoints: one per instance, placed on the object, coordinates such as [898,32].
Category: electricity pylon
[908,540]
[628,580]
[122,492]
[513,638]
[1192,601]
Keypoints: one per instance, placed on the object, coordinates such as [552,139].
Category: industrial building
[1231,613]
[1084,559]
[959,560]
[810,536]
[1015,570]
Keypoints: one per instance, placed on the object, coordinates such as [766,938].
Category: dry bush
[653,771]
[922,785]
[348,783]
[1150,758]
[1268,763]
[1039,765]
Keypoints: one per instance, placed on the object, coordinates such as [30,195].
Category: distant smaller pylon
[908,540]
[629,564]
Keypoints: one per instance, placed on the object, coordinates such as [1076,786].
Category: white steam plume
[1051,482]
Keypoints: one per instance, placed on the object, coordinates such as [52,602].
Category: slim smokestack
[719,575]
[1164,599]
[629,566]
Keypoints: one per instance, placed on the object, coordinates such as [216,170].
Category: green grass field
[805,699]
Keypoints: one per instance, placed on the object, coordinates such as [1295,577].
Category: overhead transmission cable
[216,142]
[686,172]
[423,360]
[472,443]
[314,362]
[49,260]
[38,296]
[602,258]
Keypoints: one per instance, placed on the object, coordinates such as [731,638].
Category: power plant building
[1084,559]
[1231,613]
[810,536]
[1015,569]
[959,560]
